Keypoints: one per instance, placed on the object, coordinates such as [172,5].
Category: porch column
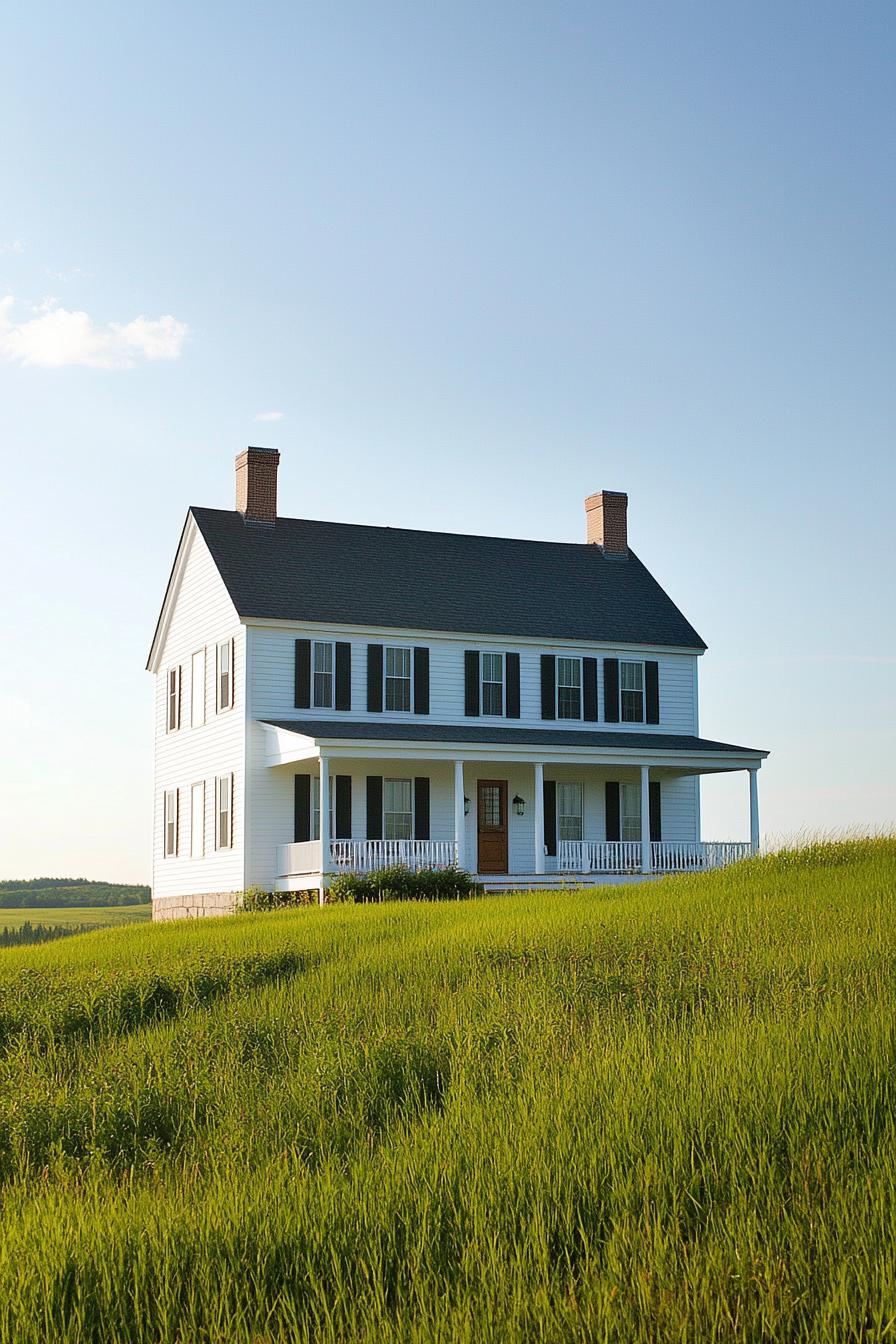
[539,817]
[754,810]
[324,814]
[460,824]
[646,864]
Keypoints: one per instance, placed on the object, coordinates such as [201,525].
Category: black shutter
[421,682]
[343,808]
[589,697]
[302,823]
[548,686]
[374,807]
[421,808]
[375,679]
[344,677]
[303,674]
[512,677]
[471,683]
[611,799]
[656,811]
[550,816]
[652,691]
[611,691]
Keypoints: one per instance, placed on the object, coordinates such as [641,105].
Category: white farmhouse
[333,697]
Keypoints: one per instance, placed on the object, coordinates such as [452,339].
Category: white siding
[202,615]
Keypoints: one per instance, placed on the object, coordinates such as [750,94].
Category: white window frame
[197,689]
[570,658]
[170,826]
[489,713]
[402,648]
[410,813]
[172,699]
[323,644]
[630,811]
[220,703]
[224,842]
[197,820]
[564,789]
[315,807]
[632,662]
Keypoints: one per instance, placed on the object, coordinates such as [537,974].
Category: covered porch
[516,807]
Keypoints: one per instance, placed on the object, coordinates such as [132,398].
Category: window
[398,679]
[315,807]
[322,653]
[398,809]
[197,820]
[170,824]
[197,690]
[173,713]
[225,675]
[569,811]
[224,812]
[630,800]
[569,688]
[631,684]
[493,683]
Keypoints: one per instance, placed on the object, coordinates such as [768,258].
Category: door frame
[501,784]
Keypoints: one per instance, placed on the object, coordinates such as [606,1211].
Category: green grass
[100,916]
[652,1113]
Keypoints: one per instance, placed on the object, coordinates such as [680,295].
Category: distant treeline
[68,892]
[39,933]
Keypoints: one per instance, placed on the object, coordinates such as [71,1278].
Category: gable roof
[350,574]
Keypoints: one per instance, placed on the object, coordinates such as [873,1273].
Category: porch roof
[582,742]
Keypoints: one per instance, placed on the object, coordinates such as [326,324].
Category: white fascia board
[285,747]
[395,632]
[175,579]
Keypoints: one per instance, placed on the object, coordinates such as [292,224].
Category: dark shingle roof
[535,737]
[356,575]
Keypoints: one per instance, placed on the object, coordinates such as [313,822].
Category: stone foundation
[194,907]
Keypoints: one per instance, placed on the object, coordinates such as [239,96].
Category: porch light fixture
[466,806]
[519,805]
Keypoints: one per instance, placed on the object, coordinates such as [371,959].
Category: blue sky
[481,260]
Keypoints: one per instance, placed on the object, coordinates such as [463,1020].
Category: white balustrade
[365,856]
[296,859]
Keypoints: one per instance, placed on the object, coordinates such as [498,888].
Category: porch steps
[494,883]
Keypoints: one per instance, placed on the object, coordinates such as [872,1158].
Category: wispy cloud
[16,246]
[56,337]
[269,416]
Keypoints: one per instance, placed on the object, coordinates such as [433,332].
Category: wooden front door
[491,819]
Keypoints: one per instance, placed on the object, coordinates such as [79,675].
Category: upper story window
[569,688]
[322,664]
[225,675]
[172,719]
[197,690]
[398,809]
[569,811]
[493,683]
[631,686]
[398,679]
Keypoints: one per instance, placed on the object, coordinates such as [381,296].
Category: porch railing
[364,856]
[666,856]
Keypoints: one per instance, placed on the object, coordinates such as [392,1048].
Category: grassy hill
[52,892]
[665,1112]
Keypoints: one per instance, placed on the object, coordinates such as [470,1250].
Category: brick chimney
[606,516]
[256,485]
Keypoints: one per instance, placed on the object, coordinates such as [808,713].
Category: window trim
[575,658]
[200,653]
[229,644]
[580,815]
[492,653]
[396,779]
[173,698]
[200,785]
[633,662]
[167,794]
[331,644]
[409,650]
[219,780]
